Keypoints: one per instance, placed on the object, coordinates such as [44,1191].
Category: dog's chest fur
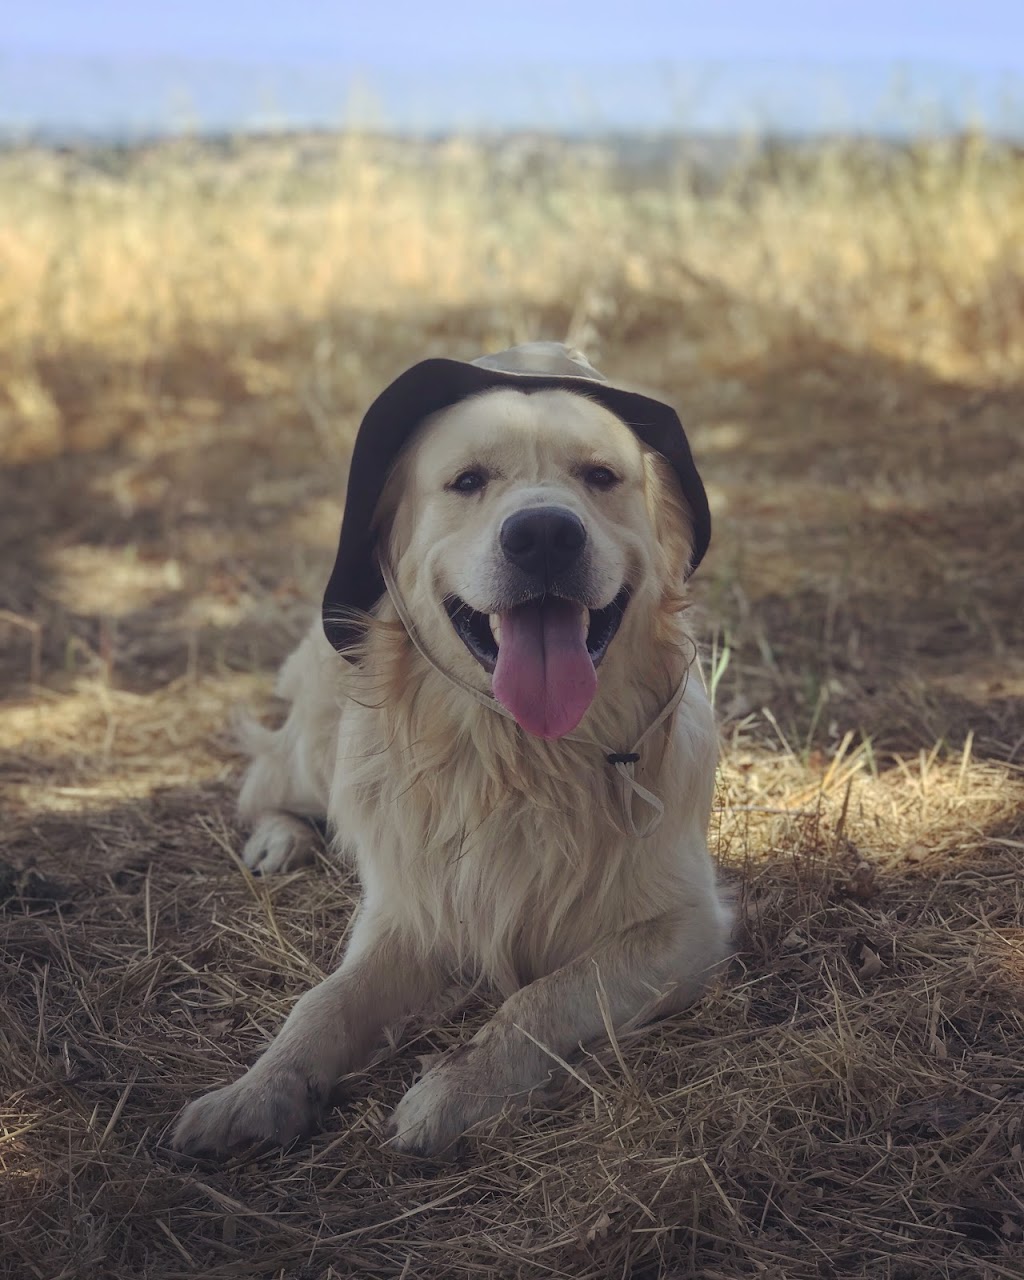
[505,853]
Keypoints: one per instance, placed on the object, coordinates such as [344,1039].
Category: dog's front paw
[279,842]
[263,1107]
[442,1105]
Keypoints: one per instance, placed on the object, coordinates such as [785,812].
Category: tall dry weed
[122,274]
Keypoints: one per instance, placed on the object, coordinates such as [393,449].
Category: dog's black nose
[543,541]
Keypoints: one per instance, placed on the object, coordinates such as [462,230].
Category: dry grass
[186,342]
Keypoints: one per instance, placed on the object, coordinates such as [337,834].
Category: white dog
[501,718]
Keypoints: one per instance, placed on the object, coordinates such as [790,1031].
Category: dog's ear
[394,517]
[673,523]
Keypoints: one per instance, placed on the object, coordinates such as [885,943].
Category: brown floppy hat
[356,584]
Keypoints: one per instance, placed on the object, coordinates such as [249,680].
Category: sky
[125,63]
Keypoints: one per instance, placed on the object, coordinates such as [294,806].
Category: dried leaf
[598,1229]
[864,958]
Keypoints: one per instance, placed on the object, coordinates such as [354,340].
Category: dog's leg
[288,779]
[651,969]
[332,1030]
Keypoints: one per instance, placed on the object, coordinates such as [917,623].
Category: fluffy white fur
[484,852]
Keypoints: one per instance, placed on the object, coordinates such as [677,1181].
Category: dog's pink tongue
[544,674]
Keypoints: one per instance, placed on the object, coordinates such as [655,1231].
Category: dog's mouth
[542,656]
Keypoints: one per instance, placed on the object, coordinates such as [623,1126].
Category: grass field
[188,336]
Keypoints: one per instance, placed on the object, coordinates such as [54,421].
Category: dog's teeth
[584,622]
[495,621]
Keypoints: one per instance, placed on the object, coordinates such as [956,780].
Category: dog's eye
[469,482]
[600,477]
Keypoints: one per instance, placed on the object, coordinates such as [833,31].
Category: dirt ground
[848,1101]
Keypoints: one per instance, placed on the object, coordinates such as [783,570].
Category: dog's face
[525,530]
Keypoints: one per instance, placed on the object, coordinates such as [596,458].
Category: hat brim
[355,583]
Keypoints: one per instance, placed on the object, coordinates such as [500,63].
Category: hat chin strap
[623,762]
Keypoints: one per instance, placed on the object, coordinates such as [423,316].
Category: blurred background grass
[293,262]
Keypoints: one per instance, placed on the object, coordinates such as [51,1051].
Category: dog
[501,717]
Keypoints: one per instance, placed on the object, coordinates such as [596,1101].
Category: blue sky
[446,63]
[983,36]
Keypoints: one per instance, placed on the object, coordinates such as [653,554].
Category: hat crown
[550,359]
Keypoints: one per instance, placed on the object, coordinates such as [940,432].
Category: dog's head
[534,535]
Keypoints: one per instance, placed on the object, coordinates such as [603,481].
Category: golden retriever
[513,744]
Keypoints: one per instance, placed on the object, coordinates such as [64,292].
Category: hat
[390,422]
